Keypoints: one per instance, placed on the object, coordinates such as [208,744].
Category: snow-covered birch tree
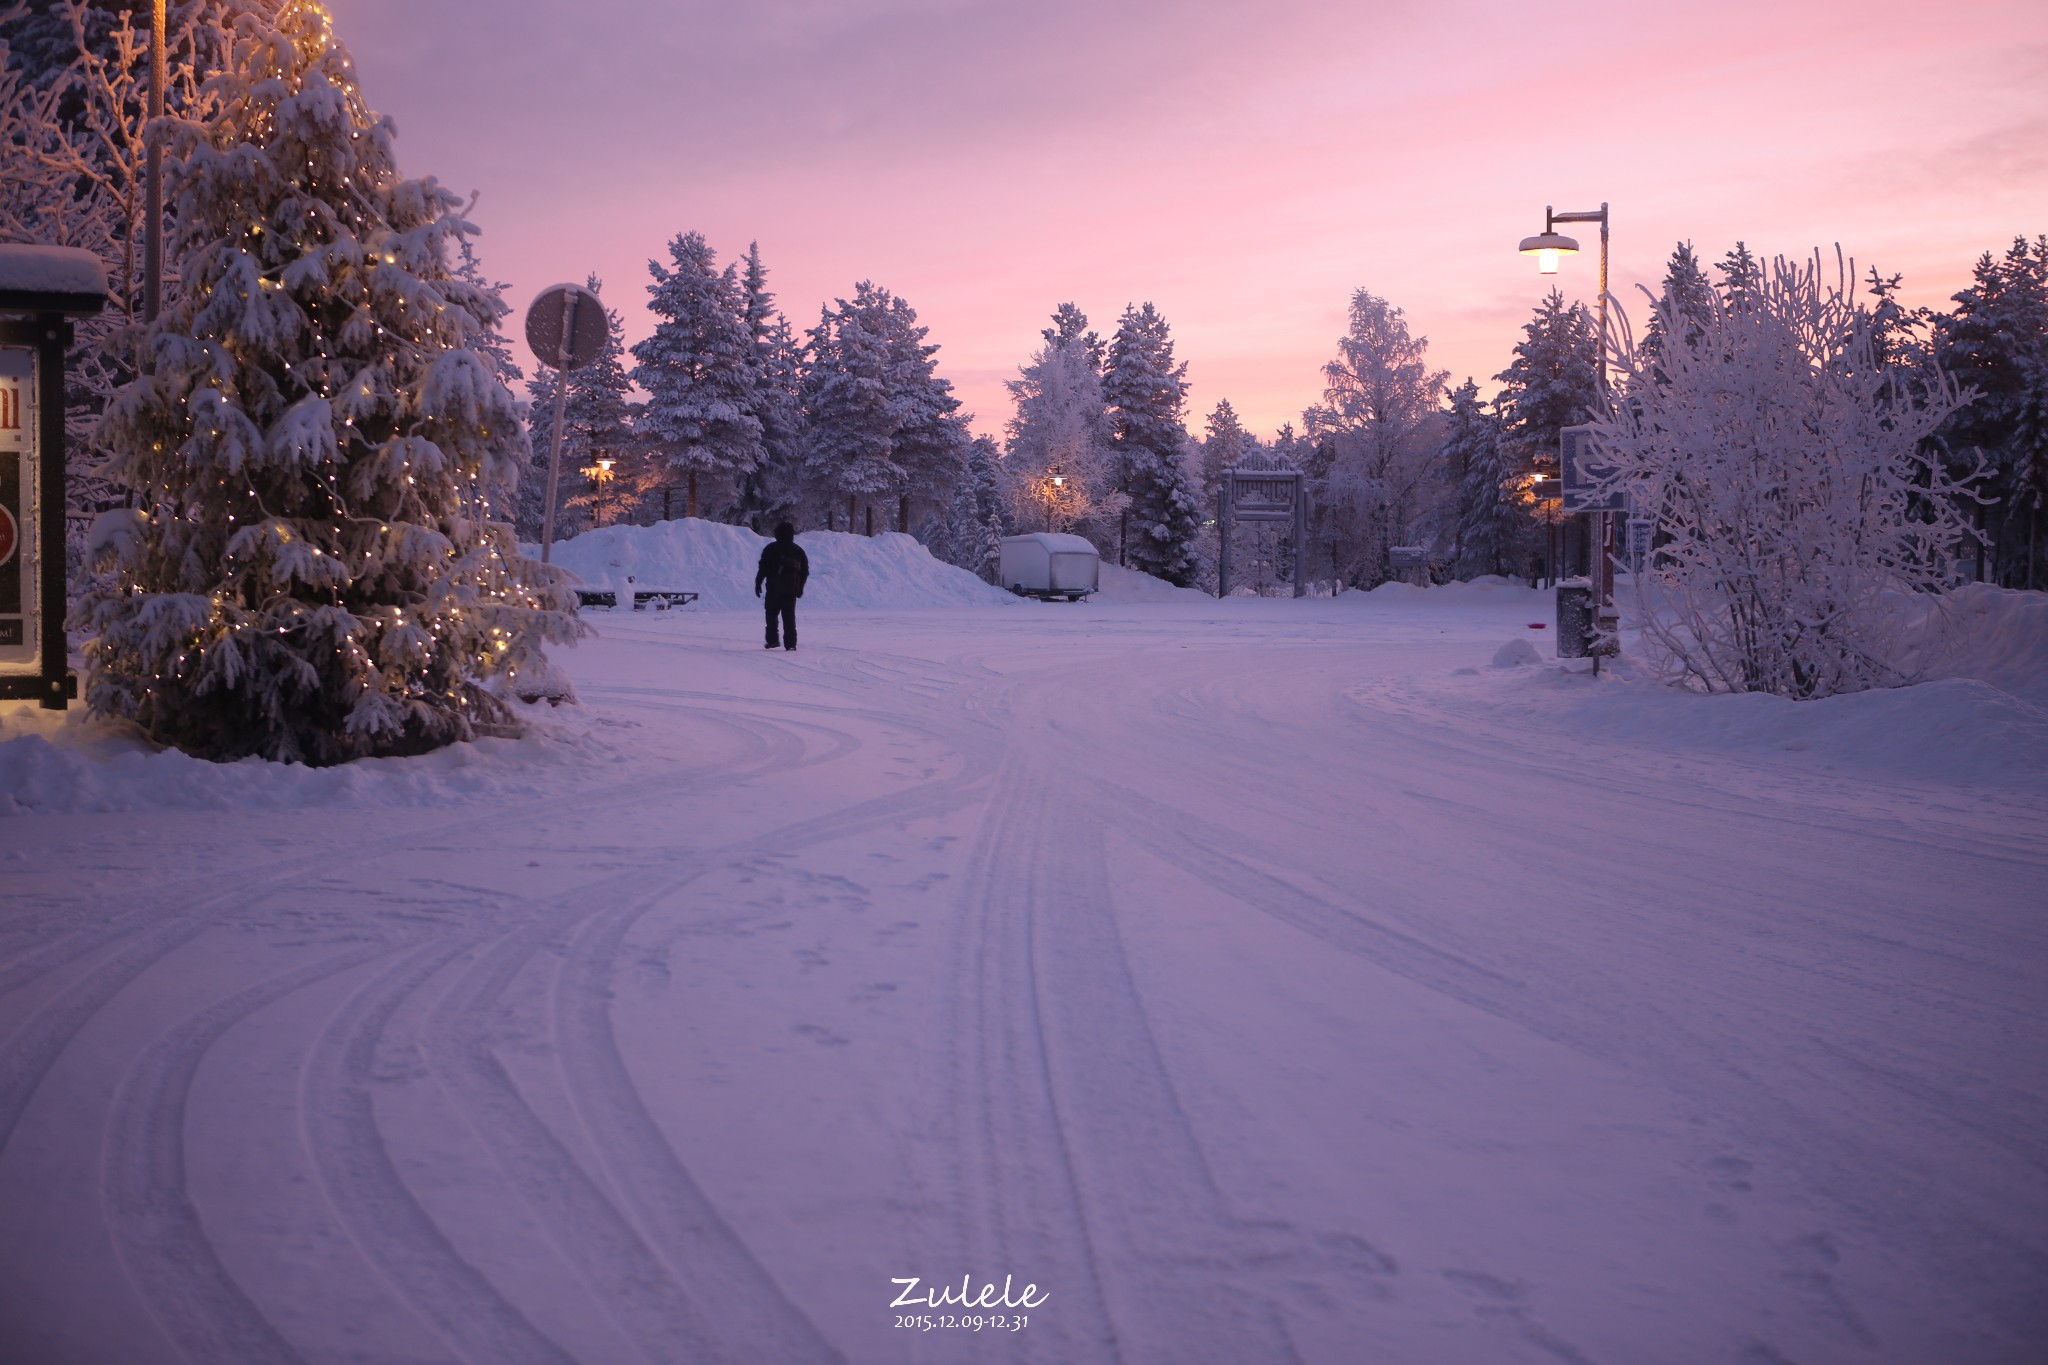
[1061,429]
[1792,496]
[1373,483]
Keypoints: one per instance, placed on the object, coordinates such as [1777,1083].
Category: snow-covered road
[1262,981]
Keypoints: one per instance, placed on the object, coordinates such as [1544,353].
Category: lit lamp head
[1059,480]
[1546,247]
[604,463]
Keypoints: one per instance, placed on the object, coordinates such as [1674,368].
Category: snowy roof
[51,279]
[1056,542]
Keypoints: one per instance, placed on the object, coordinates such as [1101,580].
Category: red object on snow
[1536,625]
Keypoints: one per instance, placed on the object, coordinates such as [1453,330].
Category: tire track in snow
[715,1266]
[625,1244]
[1072,1147]
[149,1211]
[585,1223]
[395,1235]
[759,755]
[1010,1175]
[33,1049]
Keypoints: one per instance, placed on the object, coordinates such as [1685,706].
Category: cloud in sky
[1245,167]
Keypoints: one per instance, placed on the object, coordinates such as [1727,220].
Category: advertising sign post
[41,289]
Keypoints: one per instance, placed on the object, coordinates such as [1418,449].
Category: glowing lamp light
[604,463]
[1059,481]
[1547,247]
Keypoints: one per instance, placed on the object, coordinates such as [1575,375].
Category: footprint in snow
[821,1035]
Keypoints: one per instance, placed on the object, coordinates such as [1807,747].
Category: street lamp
[600,475]
[1547,247]
[1057,482]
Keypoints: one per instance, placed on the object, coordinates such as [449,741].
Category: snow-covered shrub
[309,575]
[1782,465]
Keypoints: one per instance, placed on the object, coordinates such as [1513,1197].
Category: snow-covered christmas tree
[306,575]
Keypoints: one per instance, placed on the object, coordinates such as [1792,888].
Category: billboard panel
[18,587]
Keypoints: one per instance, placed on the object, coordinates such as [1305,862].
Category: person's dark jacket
[784,569]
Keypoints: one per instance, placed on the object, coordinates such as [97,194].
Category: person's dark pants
[783,605]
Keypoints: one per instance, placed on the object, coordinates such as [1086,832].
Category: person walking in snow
[784,567]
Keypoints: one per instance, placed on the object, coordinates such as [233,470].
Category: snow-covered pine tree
[501,496]
[1554,381]
[1897,333]
[1996,342]
[850,453]
[1685,284]
[1791,485]
[884,427]
[1061,427]
[1146,391]
[600,418]
[1223,446]
[1070,328]
[773,490]
[698,370]
[1493,526]
[1742,275]
[302,579]
[932,441]
[1375,482]
[979,546]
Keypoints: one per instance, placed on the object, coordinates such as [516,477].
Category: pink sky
[1244,166]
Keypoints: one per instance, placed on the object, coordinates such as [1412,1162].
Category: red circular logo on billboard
[10,535]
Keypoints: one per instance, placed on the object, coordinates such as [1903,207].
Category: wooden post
[693,493]
[1301,535]
[1223,536]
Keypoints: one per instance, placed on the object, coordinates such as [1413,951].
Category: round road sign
[10,535]
[566,326]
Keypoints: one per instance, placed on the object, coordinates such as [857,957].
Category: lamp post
[1056,483]
[604,482]
[1548,247]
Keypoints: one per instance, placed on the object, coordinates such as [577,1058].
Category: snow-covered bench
[660,599]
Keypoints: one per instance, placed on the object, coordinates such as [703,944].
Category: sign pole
[567,328]
[547,534]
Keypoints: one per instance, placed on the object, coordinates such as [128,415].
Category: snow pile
[1119,584]
[1950,730]
[1995,635]
[718,562]
[1516,654]
[1487,588]
[56,762]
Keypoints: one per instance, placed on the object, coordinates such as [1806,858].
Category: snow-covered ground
[1262,981]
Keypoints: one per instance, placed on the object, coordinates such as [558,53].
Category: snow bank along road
[1248,978]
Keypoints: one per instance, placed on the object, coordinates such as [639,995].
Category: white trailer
[1047,564]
